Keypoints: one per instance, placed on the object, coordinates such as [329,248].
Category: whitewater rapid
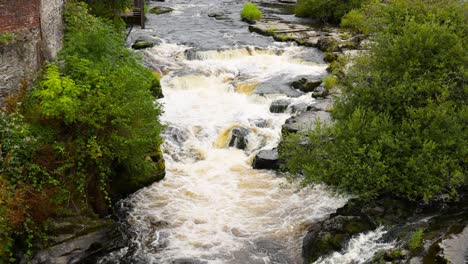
[212,207]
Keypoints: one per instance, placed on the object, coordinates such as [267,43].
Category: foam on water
[359,249]
[213,206]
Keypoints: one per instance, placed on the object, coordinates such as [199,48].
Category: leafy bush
[251,12]
[400,126]
[326,10]
[90,132]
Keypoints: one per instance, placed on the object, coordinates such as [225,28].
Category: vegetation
[326,10]
[89,131]
[7,37]
[400,125]
[250,12]
[416,239]
[108,8]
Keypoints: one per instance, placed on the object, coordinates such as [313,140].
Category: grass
[330,82]
[251,12]
[7,37]
[416,240]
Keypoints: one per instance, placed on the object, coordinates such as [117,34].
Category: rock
[188,261]
[142,45]
[332,235]
[218,16]
[239,138]
[300,108]
[278,85]
[267,160]
[279,106]
[158,10]
[305,122]
[455,247]
[306,85]
[251,22]
[262,123]
[320,92]
[327,44]
[82,248]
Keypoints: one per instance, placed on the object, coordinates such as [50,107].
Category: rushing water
[212,206]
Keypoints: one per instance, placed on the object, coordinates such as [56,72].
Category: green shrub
[326,10]
[251,12]
[330,82]
[400,125]
[416,240]
[89,123]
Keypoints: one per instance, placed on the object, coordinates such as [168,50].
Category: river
[212,206]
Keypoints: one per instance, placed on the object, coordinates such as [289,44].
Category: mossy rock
[142,45]
[330,56]
[158,10]
[125,184]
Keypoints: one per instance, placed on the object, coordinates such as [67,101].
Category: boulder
[267,160]
[83,248]
[218,16]
[327,44]
[279,106]
[332,235]
[304,122]
[279,84]
[188,261]
[239,138]
[262,123]
[138,45]
[320,92]
[299,108]
[306,85]
[158,10]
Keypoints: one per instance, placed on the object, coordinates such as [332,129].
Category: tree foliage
[326,10]
[90,122]
[400,126]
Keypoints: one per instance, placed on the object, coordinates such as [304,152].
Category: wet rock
[320,92]
[218,16]
[279,106]
[455,247]
[300,108]
[262,123]
[327,44]
[138,45]
[332,235]
[158,10]
[305,122]
[188,261]
[306,85]
[239,138]
[278,85]
[83,248]
[267,160]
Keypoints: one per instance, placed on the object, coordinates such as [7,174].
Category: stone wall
[38,29]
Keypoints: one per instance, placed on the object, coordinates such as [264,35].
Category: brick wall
[19,14]
[38,27]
